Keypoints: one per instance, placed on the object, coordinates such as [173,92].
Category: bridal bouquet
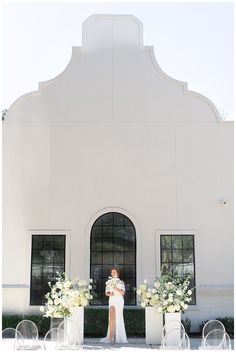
[66,294]
[111,283]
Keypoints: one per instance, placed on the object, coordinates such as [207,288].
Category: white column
[153,325]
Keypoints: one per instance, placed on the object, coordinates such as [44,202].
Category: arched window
[113,243]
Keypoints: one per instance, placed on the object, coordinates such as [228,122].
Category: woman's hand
[108,294]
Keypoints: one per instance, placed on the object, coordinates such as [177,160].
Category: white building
[115,162]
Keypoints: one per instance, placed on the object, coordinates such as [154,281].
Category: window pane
[37,242]
[118,245]
[119,232]
[119,219]
[130,258]
[129,271]
[118,258]
[96,271]
[48,242]
[166,256]
[130,244]
[188,242]
[108,244]
[177,256]
[98,221]
[96,257]
[108,258]
[166,242]
[107,219]
[107,232]
[59,242]
[97,232]
[96,244]
[177,242]
[188,256]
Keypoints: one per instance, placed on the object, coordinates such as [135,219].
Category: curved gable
[113,77]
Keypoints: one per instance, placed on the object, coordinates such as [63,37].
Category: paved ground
[93,344]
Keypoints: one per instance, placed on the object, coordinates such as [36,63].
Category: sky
[193,42]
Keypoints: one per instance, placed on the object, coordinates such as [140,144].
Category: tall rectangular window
[48,257]
[177,255]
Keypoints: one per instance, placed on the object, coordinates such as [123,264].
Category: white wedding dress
[117,301]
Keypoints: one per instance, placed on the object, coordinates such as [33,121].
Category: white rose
[189,292]
[149,295]
[138,292]
[157,284]
[145,281]
[165,303]
[185,306]
[170,299]
[159,309]
[179,292]
[91,280]
[91,297]
[153,290]
[177,308]
[143,304]
[90,286]
[41,309]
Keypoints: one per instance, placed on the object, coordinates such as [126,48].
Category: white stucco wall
[114,133]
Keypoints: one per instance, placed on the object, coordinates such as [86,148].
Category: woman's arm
[108,294]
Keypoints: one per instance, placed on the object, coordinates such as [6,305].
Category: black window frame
[194,300]
[132,279]
[33,236]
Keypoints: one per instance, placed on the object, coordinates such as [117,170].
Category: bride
[115,290]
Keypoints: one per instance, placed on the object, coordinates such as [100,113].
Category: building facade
[113,162]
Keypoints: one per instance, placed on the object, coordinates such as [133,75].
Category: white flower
[90,287]
[171,309]
[179,292]
[91,280]
[138,292]
[149,295]
[154,290]
[41,309]
[157,284]
[145,281]
[91,297]
[189,292]
[143,304]
[159,309]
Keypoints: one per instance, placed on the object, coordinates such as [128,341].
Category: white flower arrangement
[66,294]
[149,296]
[169,294]
[174,293]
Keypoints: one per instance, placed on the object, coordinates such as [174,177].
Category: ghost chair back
[51,340]
[215,339]
[175,339]
[12,340]
[29,331]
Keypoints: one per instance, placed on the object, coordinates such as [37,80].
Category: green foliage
[95,322]
[187,325]
[11,321]
[228,323]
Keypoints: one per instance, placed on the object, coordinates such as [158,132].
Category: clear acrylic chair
[69,335]
[10,341]
[29,331]
[210,326]
[227,344]
[172,324]
[52,340]
[214,340]
[175,339]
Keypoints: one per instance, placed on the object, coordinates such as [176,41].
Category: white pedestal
[78,317]
[153,326]
[173,321]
